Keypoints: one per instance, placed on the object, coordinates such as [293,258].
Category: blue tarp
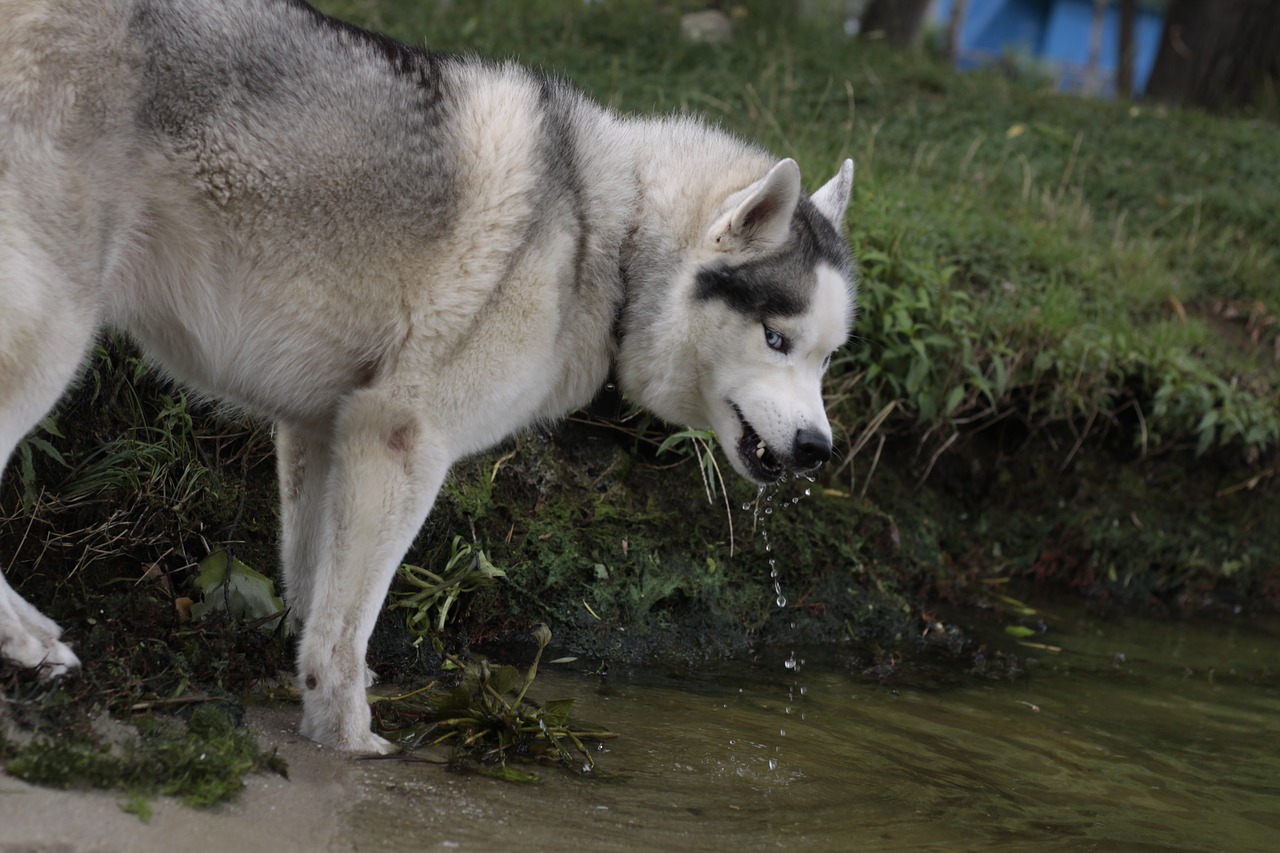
[1057,32]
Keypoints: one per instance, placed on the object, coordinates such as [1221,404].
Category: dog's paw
[336,714]
[49,656]
[58,660]
[30,639]
[338,737]
[371,744]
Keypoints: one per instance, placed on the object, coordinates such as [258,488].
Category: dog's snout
[811,449]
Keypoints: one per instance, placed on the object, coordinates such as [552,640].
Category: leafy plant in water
[467,570]
[489,719]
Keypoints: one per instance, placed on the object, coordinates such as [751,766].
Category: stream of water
[1138,735]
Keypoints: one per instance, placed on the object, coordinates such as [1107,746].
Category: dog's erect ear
[833,199]
[760,214]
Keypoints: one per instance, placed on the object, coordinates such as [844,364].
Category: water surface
[1139,734]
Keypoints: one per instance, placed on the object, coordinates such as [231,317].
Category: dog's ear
[833,199]
[761,213]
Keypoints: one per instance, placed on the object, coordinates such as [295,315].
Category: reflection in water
[1139,735]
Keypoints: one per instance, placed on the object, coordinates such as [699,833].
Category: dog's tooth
[760,452]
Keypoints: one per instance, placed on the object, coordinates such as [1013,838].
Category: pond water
[1137,735]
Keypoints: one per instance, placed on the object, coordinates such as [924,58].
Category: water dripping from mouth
[763,508]
[762,513]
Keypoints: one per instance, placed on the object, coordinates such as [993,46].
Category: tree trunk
[1124,67]
[1216,54]
[898,22]
[1092,75]
[955,24]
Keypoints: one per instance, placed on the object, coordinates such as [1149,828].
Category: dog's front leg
[385,471]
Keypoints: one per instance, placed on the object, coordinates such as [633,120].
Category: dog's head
[766,299]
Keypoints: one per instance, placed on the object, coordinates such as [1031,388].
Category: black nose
[811,449]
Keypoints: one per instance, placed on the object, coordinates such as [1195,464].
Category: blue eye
[775,340]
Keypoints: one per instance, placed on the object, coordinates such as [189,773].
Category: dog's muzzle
[766,464]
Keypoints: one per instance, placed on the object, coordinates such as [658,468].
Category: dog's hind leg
[386,470]
[46,324]
[302,461]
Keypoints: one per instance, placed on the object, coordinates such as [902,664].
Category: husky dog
[400,257]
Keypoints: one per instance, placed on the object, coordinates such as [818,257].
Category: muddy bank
[630,556]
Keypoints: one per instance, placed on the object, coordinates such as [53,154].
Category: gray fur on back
[296,114]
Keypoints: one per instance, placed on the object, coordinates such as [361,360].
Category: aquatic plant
[488,719]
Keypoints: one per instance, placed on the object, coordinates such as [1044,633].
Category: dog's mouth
[757,457]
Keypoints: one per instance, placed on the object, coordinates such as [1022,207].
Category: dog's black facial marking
[779,285]
[820,240]
[754,289]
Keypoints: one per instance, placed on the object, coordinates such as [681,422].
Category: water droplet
[787,709]
[768,510]
[768,547]
[782,732]
[773,764]
[746,506]
[803,690]
[806,492]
